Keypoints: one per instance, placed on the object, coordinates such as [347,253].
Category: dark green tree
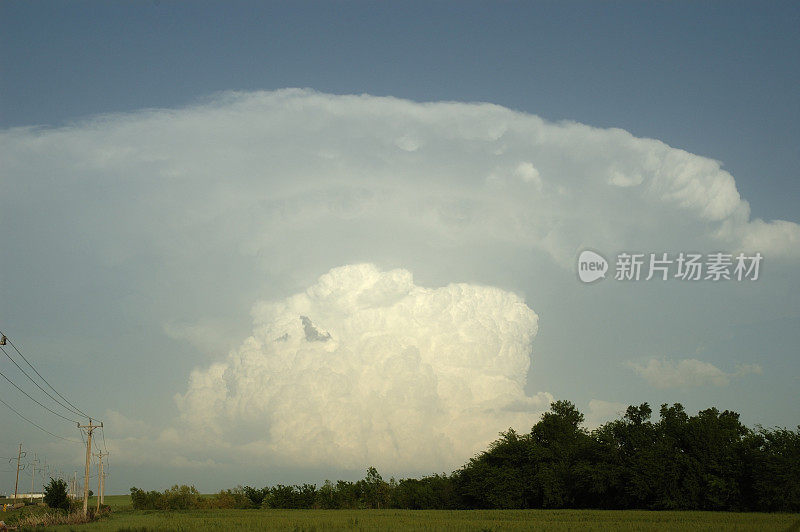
[558,454]
[55,494]
[375,491]
[255,495]
[775,470]
[709,461]
[326,496]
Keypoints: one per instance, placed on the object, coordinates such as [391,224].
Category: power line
[35,425]
[35,401]
[40,376]
[103,432]
[37,384]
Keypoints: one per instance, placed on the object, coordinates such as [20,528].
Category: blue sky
[153,222]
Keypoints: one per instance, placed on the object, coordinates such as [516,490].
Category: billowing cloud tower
[365,367]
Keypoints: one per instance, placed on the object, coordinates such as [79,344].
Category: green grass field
[478,520]
[115,501]
[124,518]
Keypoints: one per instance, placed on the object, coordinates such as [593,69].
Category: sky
[284,242]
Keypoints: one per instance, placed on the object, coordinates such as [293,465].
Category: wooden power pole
[16,484]
[33,477]
[89,429]
[101,480]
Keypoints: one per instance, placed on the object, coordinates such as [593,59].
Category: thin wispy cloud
[688,372]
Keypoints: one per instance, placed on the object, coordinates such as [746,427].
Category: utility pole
[33,474]
[20,454]
[89,429]
[101,480]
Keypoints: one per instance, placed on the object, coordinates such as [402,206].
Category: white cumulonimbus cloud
[175,220]
[365,367]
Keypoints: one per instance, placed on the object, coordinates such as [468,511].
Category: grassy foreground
[317,520]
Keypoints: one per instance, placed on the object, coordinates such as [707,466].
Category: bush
[281,496]
[51,518]
[179,498]
[228,499]
[144,500]
[55,494]
[175,498]
[256,496]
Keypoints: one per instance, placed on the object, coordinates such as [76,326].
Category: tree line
[709,461]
